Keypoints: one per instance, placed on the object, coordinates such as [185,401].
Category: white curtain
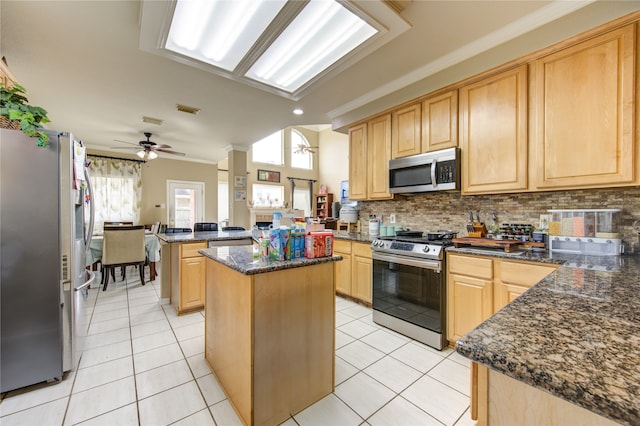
[117,187]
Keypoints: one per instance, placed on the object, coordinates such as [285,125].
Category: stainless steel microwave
[433,171]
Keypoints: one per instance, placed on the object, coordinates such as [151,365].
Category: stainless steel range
[409,286]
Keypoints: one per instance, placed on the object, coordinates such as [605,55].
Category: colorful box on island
[297,243]
[275,245]
[318,244]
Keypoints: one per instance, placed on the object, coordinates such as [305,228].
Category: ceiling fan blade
[136,148]
[157,147]
[169,151]
[128,143]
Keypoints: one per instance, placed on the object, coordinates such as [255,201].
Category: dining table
[151,246]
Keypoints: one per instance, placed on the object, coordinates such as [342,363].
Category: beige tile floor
[142,364]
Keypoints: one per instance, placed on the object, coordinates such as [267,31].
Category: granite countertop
[575,334]
[189,237]
[354,236]
[240,258]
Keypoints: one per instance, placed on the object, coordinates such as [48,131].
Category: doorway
[185,203]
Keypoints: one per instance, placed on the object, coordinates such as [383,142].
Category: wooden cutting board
[507,245]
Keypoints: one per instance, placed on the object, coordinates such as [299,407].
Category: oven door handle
[422,263]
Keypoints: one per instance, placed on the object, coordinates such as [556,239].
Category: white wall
[333,160]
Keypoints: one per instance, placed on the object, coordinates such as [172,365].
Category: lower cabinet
[353,275]
[477,287]
[187,293]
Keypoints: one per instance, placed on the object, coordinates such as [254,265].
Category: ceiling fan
[147,149]
[303,149]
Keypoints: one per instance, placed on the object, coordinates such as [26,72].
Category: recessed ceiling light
[298,111]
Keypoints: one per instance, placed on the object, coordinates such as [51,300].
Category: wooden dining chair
[122,246]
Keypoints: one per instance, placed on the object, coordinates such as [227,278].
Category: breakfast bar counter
[269,331]
[574,336]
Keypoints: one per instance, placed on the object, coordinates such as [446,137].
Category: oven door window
[409,293]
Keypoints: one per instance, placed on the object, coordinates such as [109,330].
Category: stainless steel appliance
[43,239]
[409,286]
[433,171]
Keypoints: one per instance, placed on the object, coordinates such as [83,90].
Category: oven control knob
[426,249]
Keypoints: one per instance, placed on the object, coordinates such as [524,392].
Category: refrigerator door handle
[89,236]
[92,277]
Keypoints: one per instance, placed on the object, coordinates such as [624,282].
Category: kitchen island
[183,269]
[270,331]
[565,351]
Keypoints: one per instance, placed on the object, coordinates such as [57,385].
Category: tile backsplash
[449,210]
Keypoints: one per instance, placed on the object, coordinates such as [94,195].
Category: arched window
[301,151]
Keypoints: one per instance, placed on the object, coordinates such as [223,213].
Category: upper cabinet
[369,155]
[405,135]
[358,162]
[583,103]
[440,122]
[379,154]
[493,133]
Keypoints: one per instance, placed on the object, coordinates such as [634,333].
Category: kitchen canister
[374,227]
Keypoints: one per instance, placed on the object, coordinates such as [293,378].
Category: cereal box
[318,244]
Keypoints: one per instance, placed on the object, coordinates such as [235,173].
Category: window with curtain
[117,190]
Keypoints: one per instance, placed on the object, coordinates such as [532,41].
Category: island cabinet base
[270,338]
[511,402]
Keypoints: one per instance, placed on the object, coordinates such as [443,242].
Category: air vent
[151,120]
[187,109]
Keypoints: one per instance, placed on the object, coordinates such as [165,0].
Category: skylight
[280,43]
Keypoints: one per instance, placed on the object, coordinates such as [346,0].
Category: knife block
[479,230]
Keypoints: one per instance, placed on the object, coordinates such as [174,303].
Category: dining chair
[120,223]
[122,246]
[205,226]
[155,228]
[233,228]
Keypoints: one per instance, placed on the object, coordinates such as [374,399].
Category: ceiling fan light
[140,154]
[152,155]
[146,155]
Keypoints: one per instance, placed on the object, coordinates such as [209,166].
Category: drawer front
[525,274]
[191,249]
[470,265]
[361,249]
[342,246]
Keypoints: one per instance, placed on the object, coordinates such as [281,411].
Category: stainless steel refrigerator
[43,239]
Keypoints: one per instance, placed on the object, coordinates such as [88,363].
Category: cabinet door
[493,114]
[514,278]
[192,278]
[440,122]
[584,107]
[342,274]
[378,154]
[469,302]
[362,278]
[358,162]
[405,136]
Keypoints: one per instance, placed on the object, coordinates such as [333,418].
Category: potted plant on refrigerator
[17,114]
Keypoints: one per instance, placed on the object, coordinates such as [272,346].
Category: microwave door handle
[433,173]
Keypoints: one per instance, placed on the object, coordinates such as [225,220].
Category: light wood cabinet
[477,287]
[440,122]
[187,292]
[379,154]
[511,279]
[584,119]
[369,155]
[353,275]
[358,162]
[493,133]
[469,294]
[342,269]
[406,131]
[361,272]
